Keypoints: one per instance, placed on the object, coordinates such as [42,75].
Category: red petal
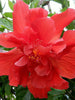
[24,74]
[27,49]
[42,70]
[41,81]
[66,63]
[59,46]
[38,92]
[45,28]
[36,13]
[69,37]
[63,19]
[6,41]
[29,35]
[58,83]
[22,61]
[13,76]
[7,60]
[43,50]
[44,60]
[18,76]
[20,13]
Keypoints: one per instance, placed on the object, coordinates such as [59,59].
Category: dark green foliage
[20,92]
[1,7]
[2,29]
[56,94]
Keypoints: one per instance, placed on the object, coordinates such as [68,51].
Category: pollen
[35,56]
[35,51]
[31,57]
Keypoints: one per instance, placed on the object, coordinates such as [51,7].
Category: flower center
[35,56]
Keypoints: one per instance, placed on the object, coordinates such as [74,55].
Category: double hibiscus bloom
[39,58]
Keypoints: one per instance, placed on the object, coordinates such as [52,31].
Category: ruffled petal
[22,61]
[7,60]
[59,46]
[20,13]
[69,37]
[58,83]
[41,81]
[63,19]
[29,35]
[13,76]
[18,76]
[7,41]
[66,63]
[24,75]
[43,50]
[42,70]
[27,49]
[45,28]
[36,13]
[38,92]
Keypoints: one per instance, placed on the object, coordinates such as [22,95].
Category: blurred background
[55,4]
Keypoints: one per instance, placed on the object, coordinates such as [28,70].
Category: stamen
[35,55]
[35,51]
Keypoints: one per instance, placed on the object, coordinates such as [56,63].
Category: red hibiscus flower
[40,58]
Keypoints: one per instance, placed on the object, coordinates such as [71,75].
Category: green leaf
[51,14]
[63,9]
[1,9]
[71,25]
[7,89]
[56,92]
[50,97]
[34,4]
[8,14]
[5,23]
[3,82]
[10,4]
[60,97]
[21,92]
[53,98]
[1,29]
[6,49]
[27,1]
[27,96]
